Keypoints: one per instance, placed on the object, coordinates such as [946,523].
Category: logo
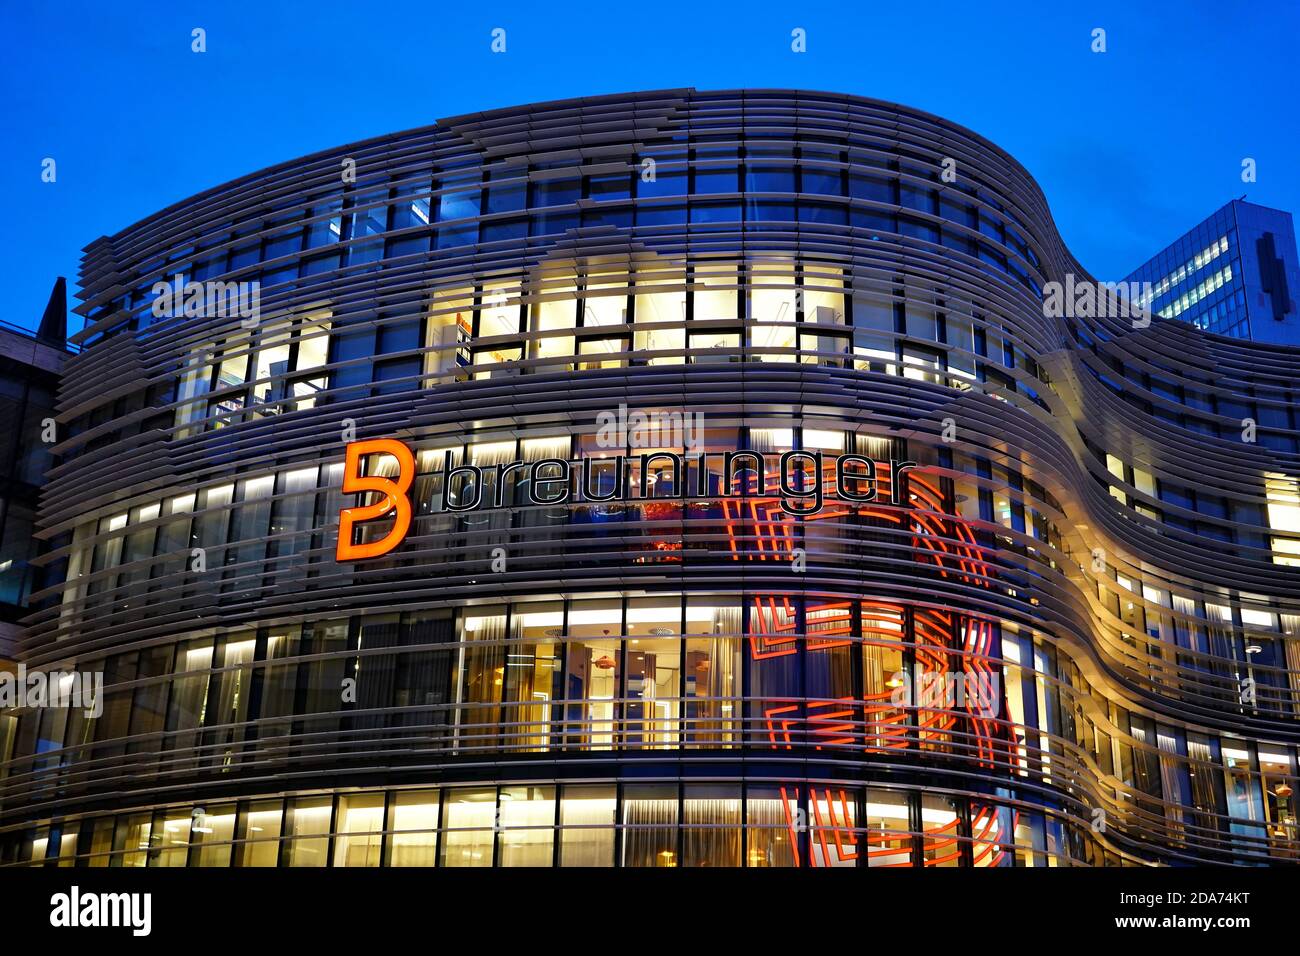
[802,481]
[74,909]
[394,498]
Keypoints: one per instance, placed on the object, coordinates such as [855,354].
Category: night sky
[1132,146]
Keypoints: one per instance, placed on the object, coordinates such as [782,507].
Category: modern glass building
[1234,274]
[716,490]
[30,365]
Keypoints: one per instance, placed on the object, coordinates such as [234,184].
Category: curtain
[718,842]
[482,679]
[650,828]
[587,816]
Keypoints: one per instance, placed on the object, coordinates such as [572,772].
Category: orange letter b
[394,499]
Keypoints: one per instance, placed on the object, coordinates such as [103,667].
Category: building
[718,490]
[29,377]
[1234,274]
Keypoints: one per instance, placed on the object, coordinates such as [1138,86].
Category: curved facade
[1044,611]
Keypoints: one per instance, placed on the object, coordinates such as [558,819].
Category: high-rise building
[30,364]
[667,479]
[1234,274]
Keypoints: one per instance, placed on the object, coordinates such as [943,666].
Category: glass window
[769,179]
[483,675]
[917,197]
[527,833]
[884,681]
[458,205]
[832,835]
[282,245]
[772,297]
[212,831]
[307,828]
[874,188]
[101,842]
[414,840]
[410,210]
[663,184]
[660,307]
[360,822]
[587,816]
[259,831]
[650,825]
[711,825]
[713,672]
[468,820]
[889,840]
[506,197]
[767,210]
[593,672]
[716,292]
[610,187]
[922,323]
[716,180]
[449,329]
[132,839]
[532,674]
[652,689]
[660,215]
[715,212]
[940,825]
[171,848]
[371,221]
[504,231]
[771,818]
[559,312]
[450,237]
[823,181]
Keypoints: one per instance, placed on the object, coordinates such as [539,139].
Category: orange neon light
[394,498]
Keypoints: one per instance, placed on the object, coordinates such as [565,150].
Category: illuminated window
[359,829]
[773,293]
[711,825]
[414,839]
[259,833]
[587,816]
[307,828]
[1283,496]
[556,314]
[527,822]
[771,815]
[499,309]
[469,819]
[212,831]
[823,302]
[650,825]
[716,295]
[173,838]
[656,307]
[133,839]
[593,672]
[888,829]
[449,329]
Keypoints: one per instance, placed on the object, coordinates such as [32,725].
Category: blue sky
[1132,146]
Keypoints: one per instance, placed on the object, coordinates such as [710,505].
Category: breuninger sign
[801,480]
